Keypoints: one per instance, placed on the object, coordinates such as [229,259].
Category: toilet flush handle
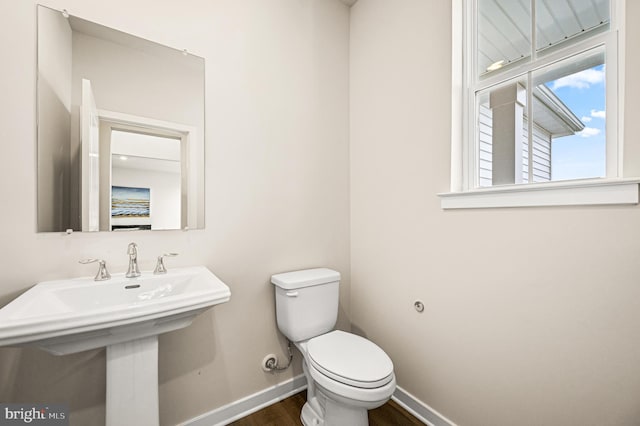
[291,294]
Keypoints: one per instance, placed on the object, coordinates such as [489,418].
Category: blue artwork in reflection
[130,202]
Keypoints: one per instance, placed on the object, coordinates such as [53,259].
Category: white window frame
[464,193]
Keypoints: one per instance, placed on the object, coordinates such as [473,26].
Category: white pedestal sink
[125,315]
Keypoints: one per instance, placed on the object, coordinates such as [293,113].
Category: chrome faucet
[133,270]
[102,274]
[160,268]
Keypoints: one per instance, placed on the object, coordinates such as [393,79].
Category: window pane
[560,20]
[504,34]
[502,148]
[569,117]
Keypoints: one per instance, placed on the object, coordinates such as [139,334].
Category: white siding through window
[541,155]
[541,150]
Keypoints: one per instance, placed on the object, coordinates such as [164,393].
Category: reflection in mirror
[148,163]
[104,96]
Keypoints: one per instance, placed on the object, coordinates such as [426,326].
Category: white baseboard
[419,409]
[250,404]
[259,400]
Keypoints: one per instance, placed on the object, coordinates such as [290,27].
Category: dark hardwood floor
[287,412]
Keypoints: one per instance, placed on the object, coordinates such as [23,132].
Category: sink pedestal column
[132,383]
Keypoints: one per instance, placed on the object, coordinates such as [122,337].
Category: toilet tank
[306,302]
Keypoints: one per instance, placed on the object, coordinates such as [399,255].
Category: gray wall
[531,314]
[277,192]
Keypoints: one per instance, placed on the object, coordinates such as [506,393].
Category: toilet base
[336,414]
[327,408]
[309,417]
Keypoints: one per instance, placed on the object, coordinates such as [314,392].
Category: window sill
[567,193]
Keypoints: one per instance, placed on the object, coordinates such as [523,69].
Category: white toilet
[346,374]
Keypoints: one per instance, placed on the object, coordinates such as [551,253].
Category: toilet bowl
[347,375]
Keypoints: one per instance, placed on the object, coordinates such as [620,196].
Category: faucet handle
[132,249]
[160,268]
[102,274]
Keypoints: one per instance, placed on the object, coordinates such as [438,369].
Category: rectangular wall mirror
[120,130]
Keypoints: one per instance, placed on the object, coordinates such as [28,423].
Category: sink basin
[67,316]
[125,315]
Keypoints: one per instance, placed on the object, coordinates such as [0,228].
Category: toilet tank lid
[305,278]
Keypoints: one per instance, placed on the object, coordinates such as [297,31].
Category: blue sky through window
[581,155]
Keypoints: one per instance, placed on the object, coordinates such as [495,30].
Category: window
[537,99]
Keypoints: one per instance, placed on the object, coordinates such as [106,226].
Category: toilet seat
[350,359]
[351,395]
